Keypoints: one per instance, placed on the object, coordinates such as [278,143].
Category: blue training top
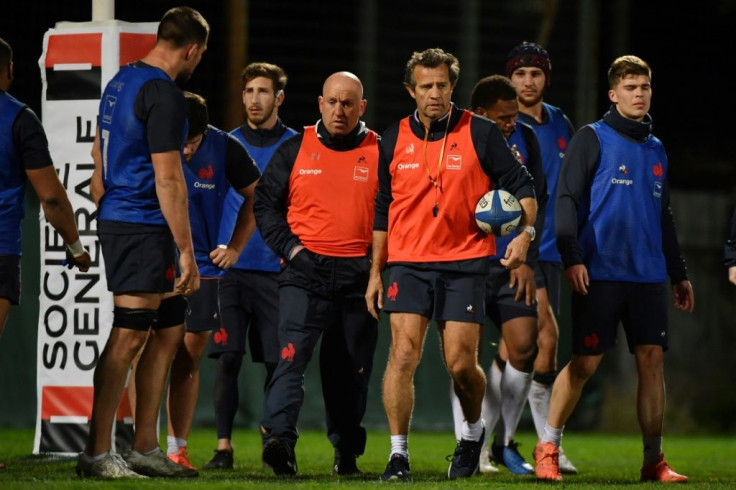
[12,178]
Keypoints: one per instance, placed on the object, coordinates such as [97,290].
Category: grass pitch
[605,461]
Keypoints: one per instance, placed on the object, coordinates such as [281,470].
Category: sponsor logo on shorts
[393,291]
[287,353]
[407,166]
[310,171]
[470,309]
[221,336]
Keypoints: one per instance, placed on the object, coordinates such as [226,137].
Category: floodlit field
[610,461]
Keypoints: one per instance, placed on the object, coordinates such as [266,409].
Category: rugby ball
[498,212]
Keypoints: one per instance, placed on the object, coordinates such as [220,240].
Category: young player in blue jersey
[618,243]
[215,165]
[139,187]
[510,294]
[248,292]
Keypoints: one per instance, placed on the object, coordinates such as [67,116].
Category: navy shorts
[501,305]
[138,258]
[547,275]
[249,305]
[10,278]
[640,307]
[203,310]
[438,295]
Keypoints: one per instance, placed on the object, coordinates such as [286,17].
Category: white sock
[95,458]
[172,447]
[652,449]
[400,445]
[514,390]
[493,396]
[552,435]
[472,431]
[457,412]
[539,395]
[485,411]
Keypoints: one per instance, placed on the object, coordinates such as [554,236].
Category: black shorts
[501,305]
[249,305]
[138,258]
[203,310]
[640,307]
[438,295]
[547,275]
[10,278]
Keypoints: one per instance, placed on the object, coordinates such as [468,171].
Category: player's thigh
[595,317]
[645,320]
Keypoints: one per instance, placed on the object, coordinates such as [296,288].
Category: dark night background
[686,47]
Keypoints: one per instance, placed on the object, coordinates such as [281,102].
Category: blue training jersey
[621,225]
[127,167]
[207,187]
[12,178]
[553,137]
[256,255]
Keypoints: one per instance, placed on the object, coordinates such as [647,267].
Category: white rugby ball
[498,212]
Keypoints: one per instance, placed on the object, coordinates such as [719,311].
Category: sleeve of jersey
[240,169]
[271,195]
[164,110]
[497,160]
[676,267]
[535,168]
[30,139]
[387,144]
[729,257]
[575,177]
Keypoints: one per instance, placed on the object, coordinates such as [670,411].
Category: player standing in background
[24,156]
[249,293]
[529,67]
[215,164]
[435,164]
[618,243]
[314,207]
[142,218]
[510,294]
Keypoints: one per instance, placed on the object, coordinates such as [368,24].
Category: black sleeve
[240,169]
[30,140]
[384,197]
[535,168]
[497,160]
[676,268]
[570,127]
[730,253]
[162,108]
[576,174]
[272,192]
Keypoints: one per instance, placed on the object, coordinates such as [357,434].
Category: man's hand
[523,278]
[82,262]
[188,283]
[577,276]
[684,296]
[224,257]
[516,251]
[374,294]
[732,274]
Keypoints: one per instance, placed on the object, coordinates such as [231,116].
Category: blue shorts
[203,311]
[438,295]
[10,278]
[138,258]
[640,307]
[501,304]
[547,275]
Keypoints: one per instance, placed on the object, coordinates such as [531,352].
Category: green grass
[610,461]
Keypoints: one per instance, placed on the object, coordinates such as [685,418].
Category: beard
[265,115]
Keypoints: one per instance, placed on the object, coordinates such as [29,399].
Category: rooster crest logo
[393,291]
[287,353]
[206,173]
[221,336]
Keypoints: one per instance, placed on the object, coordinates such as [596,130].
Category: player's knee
[172,311]
[523,358]
[405,356]
[134,318]
[230,362]
[583,367]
